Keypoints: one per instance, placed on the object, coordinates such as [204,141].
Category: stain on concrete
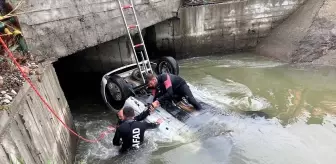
[225,27]
[309,35]
[320,39]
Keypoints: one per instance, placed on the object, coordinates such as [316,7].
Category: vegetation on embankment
[10,33]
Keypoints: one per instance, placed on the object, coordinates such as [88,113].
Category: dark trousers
[184,91]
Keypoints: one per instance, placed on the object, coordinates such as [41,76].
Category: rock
[32,72]
[8,97]
[25,69]
[6,101]
[13,92]
[3,92]
[37,72]
[39,79]
[33,66]
[1,81]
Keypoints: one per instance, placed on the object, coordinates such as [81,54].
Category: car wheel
[136,75]
[118,89]
[167,64]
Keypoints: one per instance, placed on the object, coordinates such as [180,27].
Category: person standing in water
[131,132]
[143,115]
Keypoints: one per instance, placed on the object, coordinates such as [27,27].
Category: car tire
[167,62]
[118,89]
[136,75]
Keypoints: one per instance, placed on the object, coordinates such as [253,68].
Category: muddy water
[299,102]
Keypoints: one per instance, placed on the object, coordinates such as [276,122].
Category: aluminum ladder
[144,65]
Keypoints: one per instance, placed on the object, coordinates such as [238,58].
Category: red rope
[101,136]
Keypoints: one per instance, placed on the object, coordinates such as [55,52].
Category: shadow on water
[255,114]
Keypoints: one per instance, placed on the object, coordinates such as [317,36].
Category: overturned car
[125,87]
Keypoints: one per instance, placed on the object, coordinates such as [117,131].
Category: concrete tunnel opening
[80,73]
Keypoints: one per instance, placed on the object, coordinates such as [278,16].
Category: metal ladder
[144,66]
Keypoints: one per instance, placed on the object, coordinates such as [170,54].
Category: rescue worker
[167,86]
[131,132]
[140,117]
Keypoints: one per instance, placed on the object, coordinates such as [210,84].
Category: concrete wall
[56,28]
[101,58]
[322,34]
[224,27]
[29,133]
[285,39]
[309,35]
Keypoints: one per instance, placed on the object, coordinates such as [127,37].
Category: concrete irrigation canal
[264,72]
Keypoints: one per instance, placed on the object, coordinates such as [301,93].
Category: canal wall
[58,28]
[309,35]
[223,27]
[94,31]
[29,133]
